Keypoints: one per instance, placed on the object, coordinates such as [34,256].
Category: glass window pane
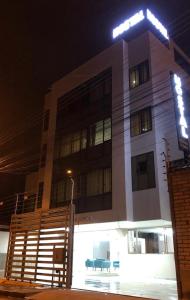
[144,72]
[75,143]
[65,146]
[139,74]
[143,171]
[60,186]
[40,194]
[43,155]
[135,125]
[96,134]
[46,120]
[107,180]
[95,183]
[68,190]
[134,77]
[146,120]
[107,129]
[134,243]
[141,122]
[83,139]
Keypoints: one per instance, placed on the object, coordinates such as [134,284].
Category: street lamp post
[71,235]
[70,173]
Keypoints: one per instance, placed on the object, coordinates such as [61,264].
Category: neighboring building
[179,176]
[110,121]
[10,185]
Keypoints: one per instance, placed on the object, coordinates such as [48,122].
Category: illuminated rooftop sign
[180,114]
[157,24]
[125,26]
[135,19]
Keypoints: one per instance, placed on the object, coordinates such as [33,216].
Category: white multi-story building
[115,121]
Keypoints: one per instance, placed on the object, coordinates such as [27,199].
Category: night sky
[42,40]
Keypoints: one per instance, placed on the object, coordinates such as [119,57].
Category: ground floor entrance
[126,258]
[129,258]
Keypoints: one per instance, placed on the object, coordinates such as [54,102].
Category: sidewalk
[80,295]
[19,289]
[44,293]
[32,291]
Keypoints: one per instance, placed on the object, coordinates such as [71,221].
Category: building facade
[114,122]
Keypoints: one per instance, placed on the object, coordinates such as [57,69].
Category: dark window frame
[40,194]
[136,173]
[80,187]
[43,157]
[103,132]
[46,120]
[138,71]
[139,113]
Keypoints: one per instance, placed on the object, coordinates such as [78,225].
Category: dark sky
[41,40]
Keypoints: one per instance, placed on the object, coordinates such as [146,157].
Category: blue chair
[89,263]
[102,264]
[116,264]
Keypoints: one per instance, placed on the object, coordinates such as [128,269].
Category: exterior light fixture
[69,172]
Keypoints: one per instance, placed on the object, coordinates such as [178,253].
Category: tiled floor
[150,288]
[109,282]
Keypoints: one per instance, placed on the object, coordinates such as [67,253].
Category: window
[139,74]
[107,180]
[43,156]
[150,240]
[40,194]
[94,183]
[69,144]
[46,120]
[61,192]
[96,133]
[96,92]
[99,182]
[100,89]
[143,173]
[75,142]
[141,122]
[107,129]
[100,132]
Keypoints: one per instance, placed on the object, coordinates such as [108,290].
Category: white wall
[160,266]
[4,239]
[164,117]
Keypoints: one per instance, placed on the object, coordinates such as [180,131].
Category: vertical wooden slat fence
[34,239]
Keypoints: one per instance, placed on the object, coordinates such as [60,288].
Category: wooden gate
[41,246]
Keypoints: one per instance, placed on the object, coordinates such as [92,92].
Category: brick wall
[180,202]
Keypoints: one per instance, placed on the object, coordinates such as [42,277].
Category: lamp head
[69,172]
